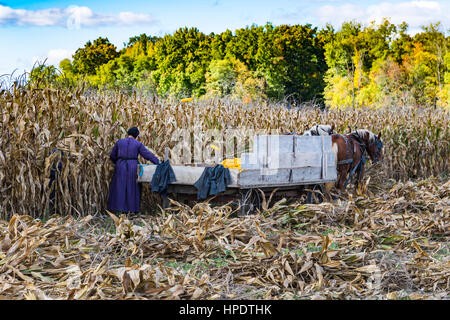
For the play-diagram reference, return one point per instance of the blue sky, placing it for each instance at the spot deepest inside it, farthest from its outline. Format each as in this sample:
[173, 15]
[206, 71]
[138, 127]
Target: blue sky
[34, 30]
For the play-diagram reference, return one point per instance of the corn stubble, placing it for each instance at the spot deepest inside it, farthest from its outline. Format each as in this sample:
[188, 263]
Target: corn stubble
[390, 243]
[389, 246]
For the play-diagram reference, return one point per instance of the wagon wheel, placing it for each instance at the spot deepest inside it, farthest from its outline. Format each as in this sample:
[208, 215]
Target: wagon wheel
[250, 201]
[315, 195]
[165, 202]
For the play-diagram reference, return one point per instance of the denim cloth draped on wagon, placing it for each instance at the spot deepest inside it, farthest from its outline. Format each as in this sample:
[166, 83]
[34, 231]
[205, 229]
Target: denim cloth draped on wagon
[212, 181]
[162, 177]
[125, 192]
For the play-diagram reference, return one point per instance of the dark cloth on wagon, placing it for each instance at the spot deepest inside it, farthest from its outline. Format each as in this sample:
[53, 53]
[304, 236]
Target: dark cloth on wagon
[212, 181]
[125, 192]
[162, 177]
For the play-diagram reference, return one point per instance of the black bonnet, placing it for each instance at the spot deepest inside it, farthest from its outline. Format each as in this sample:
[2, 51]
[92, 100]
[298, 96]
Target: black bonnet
[134, 132]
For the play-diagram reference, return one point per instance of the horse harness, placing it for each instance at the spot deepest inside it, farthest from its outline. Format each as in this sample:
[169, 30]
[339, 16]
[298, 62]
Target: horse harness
[316, 132]
[349, 159]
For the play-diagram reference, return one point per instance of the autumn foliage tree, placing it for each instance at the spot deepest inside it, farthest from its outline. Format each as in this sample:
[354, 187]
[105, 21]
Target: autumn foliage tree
[382, 64]
[354, 66]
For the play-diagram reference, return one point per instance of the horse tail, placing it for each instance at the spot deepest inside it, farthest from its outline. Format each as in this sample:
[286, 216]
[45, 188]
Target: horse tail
[334, 144]
[334, 149]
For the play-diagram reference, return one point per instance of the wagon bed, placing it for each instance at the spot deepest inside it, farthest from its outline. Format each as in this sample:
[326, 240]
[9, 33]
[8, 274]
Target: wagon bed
[289, 163]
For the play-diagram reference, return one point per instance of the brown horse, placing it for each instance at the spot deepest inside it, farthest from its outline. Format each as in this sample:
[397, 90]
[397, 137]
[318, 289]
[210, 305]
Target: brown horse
[352, 150]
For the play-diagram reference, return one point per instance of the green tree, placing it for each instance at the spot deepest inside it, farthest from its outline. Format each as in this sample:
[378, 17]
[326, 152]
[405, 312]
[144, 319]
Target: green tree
[221, 78]
[302, 61]
[42, 76]
[180, 59]
[66, 66]
[140, 45]
[344, 55]
[86, 60]
[402, 45]
[220, 43]
[444, 94]
[436, 45]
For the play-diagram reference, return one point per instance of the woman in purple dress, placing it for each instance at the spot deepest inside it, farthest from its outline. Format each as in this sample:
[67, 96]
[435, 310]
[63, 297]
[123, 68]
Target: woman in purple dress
[125, 192]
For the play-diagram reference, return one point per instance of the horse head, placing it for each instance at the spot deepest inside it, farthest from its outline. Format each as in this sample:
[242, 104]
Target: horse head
[374, 145]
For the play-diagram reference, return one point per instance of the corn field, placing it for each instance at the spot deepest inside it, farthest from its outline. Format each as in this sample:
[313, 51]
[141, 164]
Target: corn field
[391, 242]
[35, 122]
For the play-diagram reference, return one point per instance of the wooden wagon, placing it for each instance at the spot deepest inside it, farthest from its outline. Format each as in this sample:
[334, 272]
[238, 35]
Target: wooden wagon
[291, 164]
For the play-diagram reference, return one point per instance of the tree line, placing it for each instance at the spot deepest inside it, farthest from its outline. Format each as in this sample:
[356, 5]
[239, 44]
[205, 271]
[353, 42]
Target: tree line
[356, 65]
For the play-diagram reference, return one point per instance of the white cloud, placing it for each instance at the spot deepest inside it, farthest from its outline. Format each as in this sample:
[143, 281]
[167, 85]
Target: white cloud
[338, 14]
[415, 13]
[53, 57]
[26, 17]
[72, 17]
[56, 55]
[132, 18]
